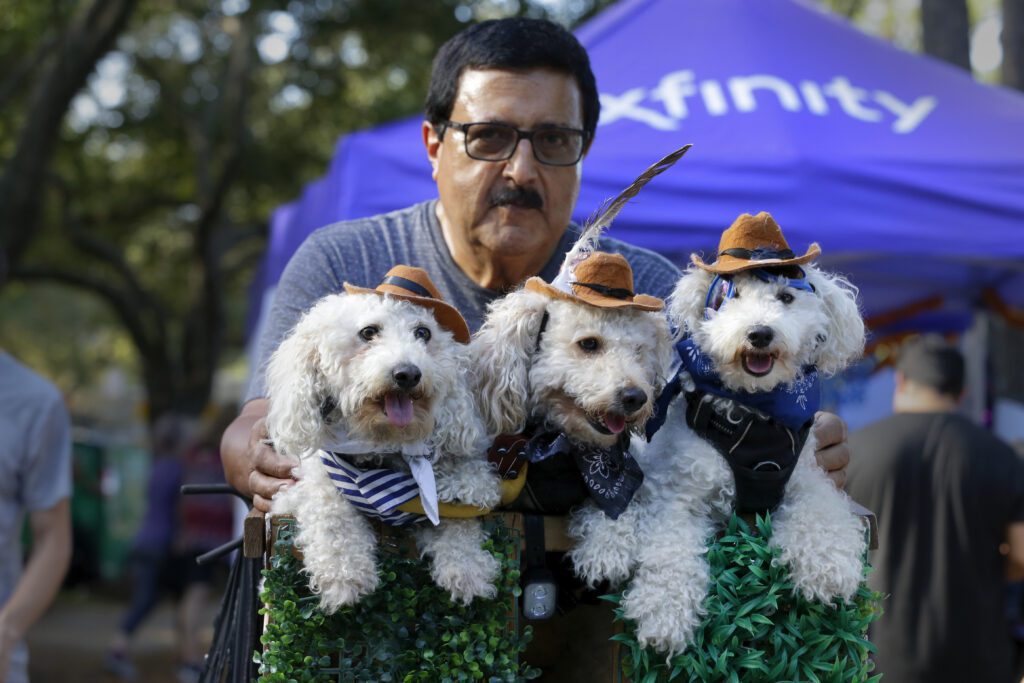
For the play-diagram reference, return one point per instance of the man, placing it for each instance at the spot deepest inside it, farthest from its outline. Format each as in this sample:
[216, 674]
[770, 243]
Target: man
[947, 493]
[511, 112]
[35, 477]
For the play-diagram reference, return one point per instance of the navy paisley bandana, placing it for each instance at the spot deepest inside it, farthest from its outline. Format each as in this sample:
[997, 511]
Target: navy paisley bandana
[610, 475]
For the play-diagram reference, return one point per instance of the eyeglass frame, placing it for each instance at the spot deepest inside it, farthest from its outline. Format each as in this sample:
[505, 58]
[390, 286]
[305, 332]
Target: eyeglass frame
[520, 136]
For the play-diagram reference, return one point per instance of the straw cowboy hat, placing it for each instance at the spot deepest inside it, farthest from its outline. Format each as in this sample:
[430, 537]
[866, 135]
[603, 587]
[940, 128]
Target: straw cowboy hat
[754, 242]
[602, 280]
[414, 285]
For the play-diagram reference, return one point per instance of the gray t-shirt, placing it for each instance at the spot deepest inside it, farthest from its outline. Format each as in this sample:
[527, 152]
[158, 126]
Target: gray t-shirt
[35, 470]
[362, 251]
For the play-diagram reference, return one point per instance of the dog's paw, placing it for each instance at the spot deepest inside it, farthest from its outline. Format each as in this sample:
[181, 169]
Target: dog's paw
[833, 568]
[344, 589]
[472, 482]
[468, 576]
[664, 622]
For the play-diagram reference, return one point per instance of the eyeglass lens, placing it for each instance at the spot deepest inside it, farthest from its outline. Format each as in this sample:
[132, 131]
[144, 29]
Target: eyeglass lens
[496, 142]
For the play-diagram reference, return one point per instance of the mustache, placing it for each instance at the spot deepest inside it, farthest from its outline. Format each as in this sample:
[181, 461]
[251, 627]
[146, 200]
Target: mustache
[517, 196]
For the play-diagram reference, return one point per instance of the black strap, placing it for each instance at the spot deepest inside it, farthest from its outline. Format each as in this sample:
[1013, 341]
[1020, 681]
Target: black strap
[759, 254]
[414, 287]
[533, 528]
[613, 292]
[540, 332]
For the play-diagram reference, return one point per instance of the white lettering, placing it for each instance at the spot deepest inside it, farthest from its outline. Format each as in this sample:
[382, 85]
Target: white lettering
[672, 90]
[714, 98]
[908, 117]
[625, 106]
[742, 89]
[813, 97]
[673, 100]
[849, 99]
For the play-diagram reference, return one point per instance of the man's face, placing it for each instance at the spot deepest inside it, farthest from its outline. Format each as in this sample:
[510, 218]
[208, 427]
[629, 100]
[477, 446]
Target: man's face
[472, 207]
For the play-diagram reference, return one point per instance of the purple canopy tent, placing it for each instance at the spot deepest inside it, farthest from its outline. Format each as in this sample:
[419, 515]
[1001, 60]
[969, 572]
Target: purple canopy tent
[909, 173]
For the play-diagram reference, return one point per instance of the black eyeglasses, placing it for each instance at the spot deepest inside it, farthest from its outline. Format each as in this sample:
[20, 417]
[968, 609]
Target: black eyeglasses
[552, 145]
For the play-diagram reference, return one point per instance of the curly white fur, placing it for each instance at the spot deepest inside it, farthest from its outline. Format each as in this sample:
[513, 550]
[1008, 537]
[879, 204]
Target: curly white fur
[560, 383]
[326, 361]
[689, 489]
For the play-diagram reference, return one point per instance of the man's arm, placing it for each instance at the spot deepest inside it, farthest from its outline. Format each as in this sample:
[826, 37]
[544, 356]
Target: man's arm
[833, 454]
[250, 463]
[51, 554]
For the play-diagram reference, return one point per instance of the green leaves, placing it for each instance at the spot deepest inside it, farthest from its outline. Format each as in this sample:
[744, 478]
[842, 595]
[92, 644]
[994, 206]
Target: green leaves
[756, 629]
[407, 630]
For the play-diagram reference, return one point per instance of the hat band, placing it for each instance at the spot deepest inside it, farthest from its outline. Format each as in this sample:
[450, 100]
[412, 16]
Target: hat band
[759, 254]
[414, 287]
[613, 292]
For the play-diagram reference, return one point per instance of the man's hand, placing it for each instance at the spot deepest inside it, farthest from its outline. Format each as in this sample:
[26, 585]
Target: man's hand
[250, 462]
[833, 454]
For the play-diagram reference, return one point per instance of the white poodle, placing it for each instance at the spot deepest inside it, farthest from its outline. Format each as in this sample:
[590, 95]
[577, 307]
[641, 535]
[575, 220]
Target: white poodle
[367, 380]
[556, 363]
[760, 332]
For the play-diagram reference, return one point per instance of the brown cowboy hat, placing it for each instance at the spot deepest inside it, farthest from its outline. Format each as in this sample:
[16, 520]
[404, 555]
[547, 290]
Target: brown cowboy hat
[414, 285]
[754, 242]
[603, 280]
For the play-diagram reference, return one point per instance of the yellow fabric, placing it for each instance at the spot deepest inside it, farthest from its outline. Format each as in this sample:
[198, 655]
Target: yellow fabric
[510, 490]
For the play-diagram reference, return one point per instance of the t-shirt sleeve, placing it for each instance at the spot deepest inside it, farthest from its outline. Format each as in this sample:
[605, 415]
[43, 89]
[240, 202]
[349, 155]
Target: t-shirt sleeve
[47, 472]
[308, 277]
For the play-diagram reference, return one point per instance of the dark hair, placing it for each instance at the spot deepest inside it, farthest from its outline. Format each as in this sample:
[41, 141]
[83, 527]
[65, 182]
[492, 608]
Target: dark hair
[933, 362]
[516, 43]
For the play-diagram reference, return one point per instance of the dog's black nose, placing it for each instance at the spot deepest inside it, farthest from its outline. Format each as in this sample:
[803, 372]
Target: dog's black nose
[632, 399]
[760, 336]
[406, 376]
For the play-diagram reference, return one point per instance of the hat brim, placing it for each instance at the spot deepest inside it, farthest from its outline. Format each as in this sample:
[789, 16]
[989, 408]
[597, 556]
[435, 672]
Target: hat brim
[640, 302]
[447, 316]
[731, 264]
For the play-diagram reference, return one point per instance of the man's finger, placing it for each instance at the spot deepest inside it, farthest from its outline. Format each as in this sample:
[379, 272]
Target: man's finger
[262, 485]
[270, 462]
[261, 503]
[829, 429]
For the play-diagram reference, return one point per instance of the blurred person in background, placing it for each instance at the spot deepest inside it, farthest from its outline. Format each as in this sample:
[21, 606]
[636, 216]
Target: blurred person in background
[947, 494]
[161, 562]
[35, 479]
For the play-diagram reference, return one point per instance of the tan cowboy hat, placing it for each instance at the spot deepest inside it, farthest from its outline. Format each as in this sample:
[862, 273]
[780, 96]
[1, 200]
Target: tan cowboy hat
[754, 242]
[603, 280]
[413, 284]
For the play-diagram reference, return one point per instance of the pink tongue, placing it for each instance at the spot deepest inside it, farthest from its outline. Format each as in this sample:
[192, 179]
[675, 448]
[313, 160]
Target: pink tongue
[398, 408]
[615, 423]
[759, 362]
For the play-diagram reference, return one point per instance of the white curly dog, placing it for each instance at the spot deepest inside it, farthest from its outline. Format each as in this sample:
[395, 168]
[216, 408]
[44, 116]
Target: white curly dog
[761, 338]
[586, 365]
[375, 376]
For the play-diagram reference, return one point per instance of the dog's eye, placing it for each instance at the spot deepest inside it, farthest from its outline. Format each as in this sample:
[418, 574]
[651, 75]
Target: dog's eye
[785, 297]
[589, 344]
[422, 333]
[369, 332]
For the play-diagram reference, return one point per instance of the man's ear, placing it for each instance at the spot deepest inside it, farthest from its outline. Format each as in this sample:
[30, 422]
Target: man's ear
[432, 142]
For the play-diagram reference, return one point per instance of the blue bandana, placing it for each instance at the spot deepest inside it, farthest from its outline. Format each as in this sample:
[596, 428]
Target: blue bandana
[793, 405]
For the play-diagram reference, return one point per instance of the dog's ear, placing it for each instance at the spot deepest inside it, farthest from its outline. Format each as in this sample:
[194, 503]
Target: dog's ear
[295, 387]
[502, 350]
[460, 426]
[665, 355]
[686, 303]
[843, 340]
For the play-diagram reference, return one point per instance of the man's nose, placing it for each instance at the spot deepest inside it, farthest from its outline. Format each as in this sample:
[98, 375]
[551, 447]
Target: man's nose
[521, 167]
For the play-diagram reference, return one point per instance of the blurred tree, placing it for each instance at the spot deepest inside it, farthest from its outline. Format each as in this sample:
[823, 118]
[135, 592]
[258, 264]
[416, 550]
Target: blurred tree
[945, 31]
[144, 147]
[1013, 43]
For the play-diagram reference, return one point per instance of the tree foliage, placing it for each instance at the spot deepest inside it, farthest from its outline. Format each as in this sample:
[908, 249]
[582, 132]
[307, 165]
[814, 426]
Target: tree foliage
[145, 145]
